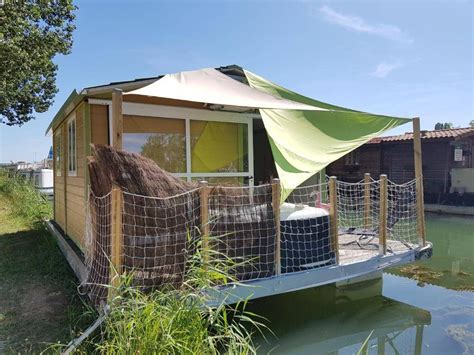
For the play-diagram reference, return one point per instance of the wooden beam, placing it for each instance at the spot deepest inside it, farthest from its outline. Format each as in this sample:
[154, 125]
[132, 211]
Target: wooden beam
[87, 147]
[276, 195]
[419, 182]
[383, 215]
[204, 195]
[333, 223]
[367, 201]
[116, 237]
[117, 118]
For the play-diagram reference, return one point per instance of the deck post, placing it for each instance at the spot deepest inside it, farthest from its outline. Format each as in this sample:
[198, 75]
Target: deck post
[420, 205]
[204, 195]
[383, 215]
[333, 228]
[276, 195]
[367, 201]
[117, 118]
[116, 238]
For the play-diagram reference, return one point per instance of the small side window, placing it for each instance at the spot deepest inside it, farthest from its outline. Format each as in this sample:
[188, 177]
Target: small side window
[352, 159]
[57, 156]
[71, 143]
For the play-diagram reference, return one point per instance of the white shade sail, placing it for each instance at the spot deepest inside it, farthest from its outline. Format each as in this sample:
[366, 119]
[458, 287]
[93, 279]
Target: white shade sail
[212, 87]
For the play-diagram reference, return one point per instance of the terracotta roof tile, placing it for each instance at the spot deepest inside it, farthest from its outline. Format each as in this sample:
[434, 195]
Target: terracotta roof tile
[436, 134]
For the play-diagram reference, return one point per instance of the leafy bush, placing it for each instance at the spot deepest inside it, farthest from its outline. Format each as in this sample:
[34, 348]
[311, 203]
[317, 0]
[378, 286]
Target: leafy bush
[26, 202]
[177, 320]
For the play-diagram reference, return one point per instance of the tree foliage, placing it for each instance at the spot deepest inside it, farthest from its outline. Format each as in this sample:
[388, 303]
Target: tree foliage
[445, 125]
[471, 123]
[31, 34]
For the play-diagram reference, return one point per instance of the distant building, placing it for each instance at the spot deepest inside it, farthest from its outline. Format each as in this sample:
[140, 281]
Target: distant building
[447, 161]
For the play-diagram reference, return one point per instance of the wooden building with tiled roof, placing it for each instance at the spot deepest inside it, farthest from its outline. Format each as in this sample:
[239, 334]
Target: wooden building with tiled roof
[444, 152]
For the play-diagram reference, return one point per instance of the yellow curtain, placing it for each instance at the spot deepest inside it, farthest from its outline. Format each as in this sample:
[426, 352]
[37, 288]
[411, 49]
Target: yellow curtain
[217, 146]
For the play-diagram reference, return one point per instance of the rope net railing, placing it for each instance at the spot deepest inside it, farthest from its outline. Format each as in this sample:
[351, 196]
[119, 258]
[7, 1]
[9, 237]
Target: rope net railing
[152, 238]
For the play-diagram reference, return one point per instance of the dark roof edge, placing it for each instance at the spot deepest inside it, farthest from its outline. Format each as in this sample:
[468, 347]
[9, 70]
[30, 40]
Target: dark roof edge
[71, 102]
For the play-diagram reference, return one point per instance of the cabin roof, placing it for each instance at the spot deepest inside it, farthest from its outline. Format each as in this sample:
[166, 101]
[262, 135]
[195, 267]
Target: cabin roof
[234, 71]
[455, 133]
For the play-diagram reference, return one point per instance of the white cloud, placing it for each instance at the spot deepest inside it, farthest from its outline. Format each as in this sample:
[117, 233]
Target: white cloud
[383, 69]
[358, 24]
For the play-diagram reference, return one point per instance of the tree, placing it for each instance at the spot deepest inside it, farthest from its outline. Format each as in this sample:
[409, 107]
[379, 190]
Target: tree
[471, 123]
[445, 125]
[31, 34]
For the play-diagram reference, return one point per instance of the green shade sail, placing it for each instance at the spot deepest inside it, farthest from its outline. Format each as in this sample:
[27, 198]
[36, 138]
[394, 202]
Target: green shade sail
[304, 142]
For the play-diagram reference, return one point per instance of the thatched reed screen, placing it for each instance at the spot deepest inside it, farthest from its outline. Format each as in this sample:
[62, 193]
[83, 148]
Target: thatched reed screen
[161, 224]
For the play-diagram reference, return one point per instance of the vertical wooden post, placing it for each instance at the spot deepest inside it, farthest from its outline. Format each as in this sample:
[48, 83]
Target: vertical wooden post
[276, 195]
[116, 237]
[117, 118]
[383, 215]
[204, 193]
[367, 201]
[333, 227]
[419, 339]
[419, 181]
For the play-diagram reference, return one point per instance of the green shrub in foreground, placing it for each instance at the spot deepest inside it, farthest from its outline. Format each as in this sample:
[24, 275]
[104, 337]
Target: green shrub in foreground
[177, 321]
[26, 202]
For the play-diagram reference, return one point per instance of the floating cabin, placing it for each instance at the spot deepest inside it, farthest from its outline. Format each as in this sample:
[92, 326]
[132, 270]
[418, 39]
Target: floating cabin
[244, 161]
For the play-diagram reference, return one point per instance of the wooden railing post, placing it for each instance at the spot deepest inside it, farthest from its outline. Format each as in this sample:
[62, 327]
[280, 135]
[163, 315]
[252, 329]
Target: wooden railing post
[117, 118]
[276, 195]
[367, 201]
[204, 194]
[333, 227]
[116, 238]
[420, 205]
[383, 203]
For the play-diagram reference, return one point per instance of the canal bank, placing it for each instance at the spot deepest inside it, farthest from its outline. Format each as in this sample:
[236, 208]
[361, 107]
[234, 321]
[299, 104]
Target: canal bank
[408, 313]
[454, 210]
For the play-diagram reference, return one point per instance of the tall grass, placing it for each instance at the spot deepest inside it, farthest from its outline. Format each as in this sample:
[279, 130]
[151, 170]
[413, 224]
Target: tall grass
[25, 201]
[178, 321]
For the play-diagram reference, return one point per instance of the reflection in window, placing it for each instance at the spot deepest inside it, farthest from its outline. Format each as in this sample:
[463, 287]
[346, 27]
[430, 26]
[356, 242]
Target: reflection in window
[222, 180]
[160, 139]
[218, 147]
[57, 154]
[71, 143]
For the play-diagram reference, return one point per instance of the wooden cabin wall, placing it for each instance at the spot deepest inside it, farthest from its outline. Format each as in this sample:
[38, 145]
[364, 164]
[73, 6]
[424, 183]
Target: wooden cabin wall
[369, 162]
[59, 186]
[75, 186]
[70, 191]
[99, 124]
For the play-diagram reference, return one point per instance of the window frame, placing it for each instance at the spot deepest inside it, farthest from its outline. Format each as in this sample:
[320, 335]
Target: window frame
[71, 146]
[352, 158]
[57, 152]
[188, 114]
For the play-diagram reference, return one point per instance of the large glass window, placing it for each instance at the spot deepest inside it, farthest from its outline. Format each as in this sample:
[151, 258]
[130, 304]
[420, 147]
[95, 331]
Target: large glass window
[192, 149]
[160, 139]
[71, 143]
[218, 147]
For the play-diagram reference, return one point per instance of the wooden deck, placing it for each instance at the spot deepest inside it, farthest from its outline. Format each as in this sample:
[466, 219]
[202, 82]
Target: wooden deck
[353, 248]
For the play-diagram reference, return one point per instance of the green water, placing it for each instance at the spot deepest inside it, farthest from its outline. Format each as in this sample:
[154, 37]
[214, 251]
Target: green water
[433, 315]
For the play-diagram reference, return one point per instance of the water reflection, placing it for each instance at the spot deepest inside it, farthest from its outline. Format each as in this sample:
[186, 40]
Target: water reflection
[330, 320]
[452, 263]
[433, 316]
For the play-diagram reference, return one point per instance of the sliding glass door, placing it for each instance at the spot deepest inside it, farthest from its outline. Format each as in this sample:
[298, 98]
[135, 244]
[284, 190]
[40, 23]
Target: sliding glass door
[195, 149]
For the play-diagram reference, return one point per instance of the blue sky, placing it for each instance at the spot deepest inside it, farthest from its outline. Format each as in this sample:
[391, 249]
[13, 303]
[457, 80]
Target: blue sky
[402, 58]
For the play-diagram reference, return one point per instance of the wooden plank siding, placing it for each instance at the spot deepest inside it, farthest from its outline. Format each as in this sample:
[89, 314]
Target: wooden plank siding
[99, 124]
[75, 186]
[59, 209]
[396, 159]
[369, 161]
[70, 192]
